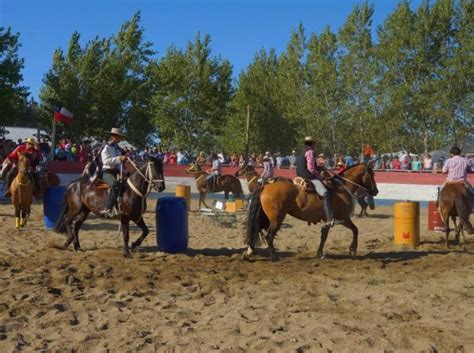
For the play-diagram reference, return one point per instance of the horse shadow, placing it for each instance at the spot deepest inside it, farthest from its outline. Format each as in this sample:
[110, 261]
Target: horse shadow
[376, 216]
[214, 252]
[394, 256]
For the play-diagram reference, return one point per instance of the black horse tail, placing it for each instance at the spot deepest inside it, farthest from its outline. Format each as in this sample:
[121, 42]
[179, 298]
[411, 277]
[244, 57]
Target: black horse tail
[256, 220]
[60, 225]
[463, 210]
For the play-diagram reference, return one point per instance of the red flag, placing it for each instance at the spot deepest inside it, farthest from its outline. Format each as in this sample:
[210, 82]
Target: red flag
[63, 115]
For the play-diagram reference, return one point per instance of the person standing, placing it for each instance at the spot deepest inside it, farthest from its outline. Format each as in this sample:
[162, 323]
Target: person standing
[112, 159]
[306, 168]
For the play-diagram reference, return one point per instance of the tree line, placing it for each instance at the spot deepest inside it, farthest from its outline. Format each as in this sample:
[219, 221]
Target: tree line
[409, 86]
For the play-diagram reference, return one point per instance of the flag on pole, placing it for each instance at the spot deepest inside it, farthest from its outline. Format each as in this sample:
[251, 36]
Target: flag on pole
[63, 115]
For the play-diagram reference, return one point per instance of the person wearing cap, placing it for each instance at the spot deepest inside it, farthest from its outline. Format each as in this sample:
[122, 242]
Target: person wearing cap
[267, 170]
[293, 158]
[214, 172]
[31, 147]
[112, 158]
[306, 168]
[321, 161]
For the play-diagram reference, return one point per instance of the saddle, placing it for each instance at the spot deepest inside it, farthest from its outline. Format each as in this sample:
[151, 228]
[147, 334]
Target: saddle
[305, 184]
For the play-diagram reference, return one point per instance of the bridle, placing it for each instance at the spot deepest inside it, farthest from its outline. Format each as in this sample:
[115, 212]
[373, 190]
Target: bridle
[359, 187]
[148, 176]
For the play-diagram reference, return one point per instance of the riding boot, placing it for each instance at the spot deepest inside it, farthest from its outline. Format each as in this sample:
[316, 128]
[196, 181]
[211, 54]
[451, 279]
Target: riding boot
[328, 211]
[109, 205]
[8, 182]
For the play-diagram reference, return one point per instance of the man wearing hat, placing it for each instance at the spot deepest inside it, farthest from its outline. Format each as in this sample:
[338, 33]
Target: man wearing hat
[306, 168]
[30, 147]
[267, 170]
[112, 157]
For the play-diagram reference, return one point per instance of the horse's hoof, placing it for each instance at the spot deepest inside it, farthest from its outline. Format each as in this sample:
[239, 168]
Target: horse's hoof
[245, 257]
[134, 245]
[352, 253]
[320, 255]
[127, 255]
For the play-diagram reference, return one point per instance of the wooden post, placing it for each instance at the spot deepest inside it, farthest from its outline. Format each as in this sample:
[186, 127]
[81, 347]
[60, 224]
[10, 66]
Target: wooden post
[247, 134]
[53, 139]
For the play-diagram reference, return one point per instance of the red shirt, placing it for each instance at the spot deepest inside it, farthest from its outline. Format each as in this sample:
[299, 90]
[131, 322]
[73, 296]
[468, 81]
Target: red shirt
[396, 164]
[35, 153]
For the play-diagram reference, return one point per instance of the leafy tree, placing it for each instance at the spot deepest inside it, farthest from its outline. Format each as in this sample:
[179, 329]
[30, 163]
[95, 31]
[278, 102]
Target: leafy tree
[192, 94]
[12, 94]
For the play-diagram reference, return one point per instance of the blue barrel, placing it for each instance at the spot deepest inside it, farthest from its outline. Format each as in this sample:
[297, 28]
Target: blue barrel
[171, 224]
[52, 202]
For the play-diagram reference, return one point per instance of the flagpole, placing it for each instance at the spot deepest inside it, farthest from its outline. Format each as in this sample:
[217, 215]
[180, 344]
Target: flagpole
[53, 139]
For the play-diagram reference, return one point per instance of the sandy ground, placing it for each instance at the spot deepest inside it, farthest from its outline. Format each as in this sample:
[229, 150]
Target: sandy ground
[389, 299]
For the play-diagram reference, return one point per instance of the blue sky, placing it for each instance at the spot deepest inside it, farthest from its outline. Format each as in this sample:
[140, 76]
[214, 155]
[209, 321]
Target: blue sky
[238, 28]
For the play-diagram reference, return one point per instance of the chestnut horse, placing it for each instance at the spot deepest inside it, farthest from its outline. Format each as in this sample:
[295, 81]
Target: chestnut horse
[22, 189]
[455, 202]
[252, 177]
[271, 203]
[81, 198]
[226, 183]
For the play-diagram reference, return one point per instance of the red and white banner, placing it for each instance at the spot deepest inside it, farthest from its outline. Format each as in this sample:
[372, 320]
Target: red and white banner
[63, 115]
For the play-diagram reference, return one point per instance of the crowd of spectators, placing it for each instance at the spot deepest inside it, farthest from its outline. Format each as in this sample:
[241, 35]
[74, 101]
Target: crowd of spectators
[71, 151]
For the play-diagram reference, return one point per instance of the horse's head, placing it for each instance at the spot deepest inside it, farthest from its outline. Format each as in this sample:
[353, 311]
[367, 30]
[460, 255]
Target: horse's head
[363, 175]
[193, 168]
[155, 173]
[243, 170]
[24, 162]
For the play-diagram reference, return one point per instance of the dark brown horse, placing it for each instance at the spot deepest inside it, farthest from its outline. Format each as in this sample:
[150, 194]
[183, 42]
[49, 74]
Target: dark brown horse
[252, 177]
[225, 183]
[81, 198]
[270, 205]
[365, 200]
[455, 202]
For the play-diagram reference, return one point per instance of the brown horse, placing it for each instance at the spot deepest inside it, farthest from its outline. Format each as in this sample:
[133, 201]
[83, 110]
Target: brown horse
[270, 204]
[365, 200]
[226, 183]
[81, 198]
[455, 202]
[22, 189]
[252, 177]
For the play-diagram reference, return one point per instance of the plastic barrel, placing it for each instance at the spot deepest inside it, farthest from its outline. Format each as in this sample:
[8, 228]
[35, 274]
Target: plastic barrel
[406, 223]
[184, 191]
[52, 202]
[435, 222]
[171, 224]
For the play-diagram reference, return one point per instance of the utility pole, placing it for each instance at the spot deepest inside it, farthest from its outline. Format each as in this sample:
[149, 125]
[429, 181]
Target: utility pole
[247, 134]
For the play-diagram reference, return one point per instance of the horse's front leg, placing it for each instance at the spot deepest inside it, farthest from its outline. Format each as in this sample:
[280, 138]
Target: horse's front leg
[202, 196]
[141, 224]
[17, 217]
[324, 235]
[446, 229]
[226, 194]
[125, 233]
[355, 237]
[23, 218]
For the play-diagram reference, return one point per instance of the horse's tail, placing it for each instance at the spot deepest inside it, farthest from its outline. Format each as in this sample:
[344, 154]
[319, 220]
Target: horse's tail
[256, 220]
[60, 225]
[463, 210]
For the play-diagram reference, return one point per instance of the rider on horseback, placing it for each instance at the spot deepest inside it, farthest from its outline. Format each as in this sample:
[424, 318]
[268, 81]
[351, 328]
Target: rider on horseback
[267, 170]
[29, 147]
[306, 168]
[112, 158]
[214, 172]
[456, 167]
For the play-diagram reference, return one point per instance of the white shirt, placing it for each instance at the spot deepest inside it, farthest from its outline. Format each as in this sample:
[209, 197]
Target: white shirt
[110, 156]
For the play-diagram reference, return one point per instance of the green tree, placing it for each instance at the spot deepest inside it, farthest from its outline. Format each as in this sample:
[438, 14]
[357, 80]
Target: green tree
[192, 95]
[12, 94]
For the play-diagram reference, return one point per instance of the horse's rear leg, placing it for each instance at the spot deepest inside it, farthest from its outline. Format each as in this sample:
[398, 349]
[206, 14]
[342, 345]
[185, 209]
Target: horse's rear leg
[80, 218]
[272, 230]
[141, 224]
[446, 228]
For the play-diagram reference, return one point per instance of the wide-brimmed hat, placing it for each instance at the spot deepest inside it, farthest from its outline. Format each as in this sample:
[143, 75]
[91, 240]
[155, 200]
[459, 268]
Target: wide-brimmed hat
[116, 131]
[309, 139]
[31, 140]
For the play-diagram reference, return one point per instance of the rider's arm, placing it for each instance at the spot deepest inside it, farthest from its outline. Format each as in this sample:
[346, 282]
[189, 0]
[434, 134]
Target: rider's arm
[446, 167]
[13, 156]
[310, 162]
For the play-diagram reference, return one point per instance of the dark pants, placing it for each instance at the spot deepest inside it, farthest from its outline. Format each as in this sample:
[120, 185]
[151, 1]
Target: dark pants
[110, 177]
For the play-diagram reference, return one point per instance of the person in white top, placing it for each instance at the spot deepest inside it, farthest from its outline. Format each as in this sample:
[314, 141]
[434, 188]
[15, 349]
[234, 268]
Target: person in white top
[427, 162]
[112, 158]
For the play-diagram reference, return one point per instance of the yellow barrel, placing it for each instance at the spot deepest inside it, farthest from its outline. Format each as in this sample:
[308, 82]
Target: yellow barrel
[406, 227]
[184, 191]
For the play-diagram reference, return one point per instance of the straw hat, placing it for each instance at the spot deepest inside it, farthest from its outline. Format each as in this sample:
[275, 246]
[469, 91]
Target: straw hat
[321, 155]
[116, 131]
[309, 139]
[31, 140]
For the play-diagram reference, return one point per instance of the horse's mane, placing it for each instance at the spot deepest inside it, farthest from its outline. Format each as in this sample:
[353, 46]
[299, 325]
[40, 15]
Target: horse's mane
[350, 168]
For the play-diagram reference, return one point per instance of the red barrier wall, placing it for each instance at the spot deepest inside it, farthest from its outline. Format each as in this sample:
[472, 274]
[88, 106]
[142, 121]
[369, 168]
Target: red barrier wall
[395, 177]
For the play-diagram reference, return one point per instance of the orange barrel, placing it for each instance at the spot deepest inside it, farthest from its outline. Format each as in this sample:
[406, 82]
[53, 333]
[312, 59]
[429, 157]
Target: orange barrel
[434, 218]
[184, 191]
[406, 230]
